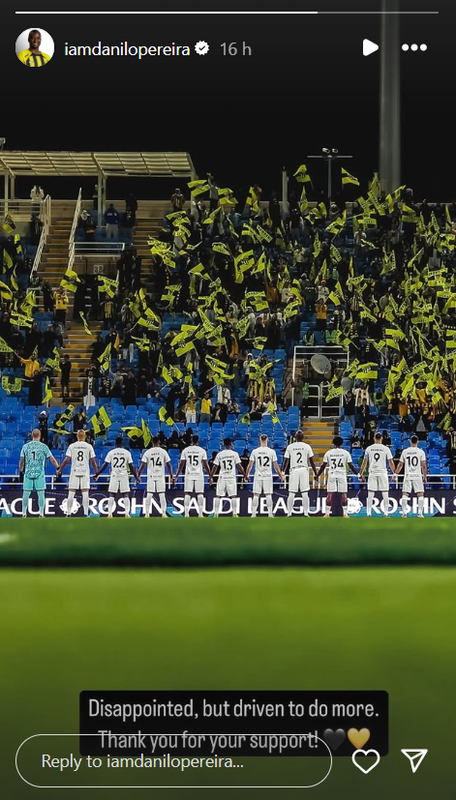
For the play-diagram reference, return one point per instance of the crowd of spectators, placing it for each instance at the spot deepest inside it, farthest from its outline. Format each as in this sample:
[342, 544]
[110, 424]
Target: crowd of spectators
[231, 290]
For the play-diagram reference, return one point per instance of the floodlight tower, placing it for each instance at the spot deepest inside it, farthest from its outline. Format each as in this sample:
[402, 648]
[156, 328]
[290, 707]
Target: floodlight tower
[390, 97]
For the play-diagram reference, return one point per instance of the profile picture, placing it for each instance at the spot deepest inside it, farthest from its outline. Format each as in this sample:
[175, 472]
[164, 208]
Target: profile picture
[34, 47]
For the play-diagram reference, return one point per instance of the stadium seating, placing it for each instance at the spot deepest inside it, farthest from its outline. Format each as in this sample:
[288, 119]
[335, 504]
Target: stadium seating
[24, 418]
[17, 418]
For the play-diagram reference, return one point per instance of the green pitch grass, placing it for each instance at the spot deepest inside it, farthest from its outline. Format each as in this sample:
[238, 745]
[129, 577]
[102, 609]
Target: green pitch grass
[262, 628]
[226, 541]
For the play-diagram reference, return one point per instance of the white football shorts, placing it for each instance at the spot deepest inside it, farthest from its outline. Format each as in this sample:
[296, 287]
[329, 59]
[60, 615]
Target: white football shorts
[119, 484]
[378, 482]
[79, 482]
[262, 485]
[194, 484]
[411, 485]
[156, 485]
[226, 486]
[337, 484]
[299, 480]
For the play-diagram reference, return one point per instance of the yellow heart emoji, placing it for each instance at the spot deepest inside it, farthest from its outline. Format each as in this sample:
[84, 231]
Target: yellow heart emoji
[358, 738]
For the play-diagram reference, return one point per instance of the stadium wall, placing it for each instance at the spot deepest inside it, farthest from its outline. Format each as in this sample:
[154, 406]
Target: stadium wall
[436, 503]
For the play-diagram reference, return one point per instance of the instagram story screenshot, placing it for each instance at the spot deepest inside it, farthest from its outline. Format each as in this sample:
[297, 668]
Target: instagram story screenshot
[227, 334]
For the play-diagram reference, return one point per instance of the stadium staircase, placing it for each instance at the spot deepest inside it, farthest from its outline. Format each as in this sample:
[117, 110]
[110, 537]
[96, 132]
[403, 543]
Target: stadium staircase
[54, 259]
[319, 434]
[76, 342]
[145, 228]
[78, 345]
[149, 219]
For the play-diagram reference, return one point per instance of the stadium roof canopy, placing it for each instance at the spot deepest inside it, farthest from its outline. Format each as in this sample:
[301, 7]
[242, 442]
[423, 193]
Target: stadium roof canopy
[121, 165]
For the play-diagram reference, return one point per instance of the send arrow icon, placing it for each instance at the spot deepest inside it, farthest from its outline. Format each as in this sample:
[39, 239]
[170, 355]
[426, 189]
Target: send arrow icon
[415, 757]
[369, 47]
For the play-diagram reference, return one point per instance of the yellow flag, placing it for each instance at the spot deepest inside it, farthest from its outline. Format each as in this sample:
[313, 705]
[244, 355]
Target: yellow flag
[198, 187]
[84, 322]
[253, 199]
[219, 247]
[133, 432]
[166, 375]
[163, 416]
[105, 358]
[337, 294]
[261, 265]
[347, 178]
[108, 285]
[100, 421]
[243, 262]
[11, 384]
[4, 347]
[47, 392]
[8, 224]
[339, 224]
[5, 291]
[302, 175]
[200, 270]
[181, 351]
[70, 280]
[146, 433]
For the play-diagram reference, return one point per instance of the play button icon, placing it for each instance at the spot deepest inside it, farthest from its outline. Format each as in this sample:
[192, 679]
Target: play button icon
[369, 47]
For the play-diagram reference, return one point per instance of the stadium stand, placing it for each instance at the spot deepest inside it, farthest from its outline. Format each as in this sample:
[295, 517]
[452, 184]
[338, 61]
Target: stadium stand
[210, 303]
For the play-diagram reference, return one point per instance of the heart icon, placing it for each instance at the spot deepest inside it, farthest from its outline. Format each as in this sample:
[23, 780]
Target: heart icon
[358, 738]
[334, 738]
[366, 753]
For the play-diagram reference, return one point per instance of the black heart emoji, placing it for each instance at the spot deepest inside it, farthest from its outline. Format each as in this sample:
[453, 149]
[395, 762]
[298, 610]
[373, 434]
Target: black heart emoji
[334, 738]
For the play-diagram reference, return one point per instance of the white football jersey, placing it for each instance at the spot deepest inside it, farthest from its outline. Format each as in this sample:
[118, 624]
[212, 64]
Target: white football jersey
[412, 459]
[226, 461]
[80, 454]
[194, 455]
[377, 456]
[337, 460]
[298, 454]
[119, 458]
[156, 458]
[263, 458]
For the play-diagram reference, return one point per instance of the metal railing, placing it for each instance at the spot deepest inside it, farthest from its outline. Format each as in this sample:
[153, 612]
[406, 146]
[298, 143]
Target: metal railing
[45, 217]
[21, 210]
[76, 215]
[90, 250]
[74, 226]
[102, 249]
[302, 358]
[435, 481]
[80, 250]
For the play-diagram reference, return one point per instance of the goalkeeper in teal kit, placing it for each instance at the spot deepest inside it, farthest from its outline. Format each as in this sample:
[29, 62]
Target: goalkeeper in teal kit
[32, 463]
